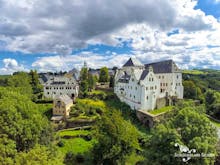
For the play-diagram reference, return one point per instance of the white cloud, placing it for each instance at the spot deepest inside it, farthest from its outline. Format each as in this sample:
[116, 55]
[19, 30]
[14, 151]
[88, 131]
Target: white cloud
[43, 26]
[10, 66]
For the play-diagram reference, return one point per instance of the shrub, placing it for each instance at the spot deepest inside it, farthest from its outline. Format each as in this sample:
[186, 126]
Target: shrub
[60, 143]
[99, 111]
[88, 137]
[80, 158]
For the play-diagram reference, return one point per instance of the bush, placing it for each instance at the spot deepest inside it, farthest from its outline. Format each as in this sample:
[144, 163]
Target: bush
[88, 137]
[75, 114]
[80, 158]
[99, 111]
[71, 159]
[60, 143]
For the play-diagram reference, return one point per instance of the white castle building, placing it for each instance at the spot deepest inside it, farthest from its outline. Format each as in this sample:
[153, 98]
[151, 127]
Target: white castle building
[60, 85]
[150, 86]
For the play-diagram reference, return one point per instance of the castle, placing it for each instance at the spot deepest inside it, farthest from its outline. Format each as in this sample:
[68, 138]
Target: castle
[150, 86]
[57, 85]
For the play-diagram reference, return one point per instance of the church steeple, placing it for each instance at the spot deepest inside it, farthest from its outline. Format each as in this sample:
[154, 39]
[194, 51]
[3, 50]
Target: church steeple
[85, 65]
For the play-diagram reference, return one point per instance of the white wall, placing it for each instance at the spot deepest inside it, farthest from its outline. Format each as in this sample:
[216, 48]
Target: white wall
[51, 91]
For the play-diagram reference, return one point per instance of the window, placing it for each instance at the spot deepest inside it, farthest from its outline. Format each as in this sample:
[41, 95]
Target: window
[48, 93]
[161, 90]
[152, 79]
[132, 79]
[159, 77]
[155, 87]
[134, 97]
[160, 84]
[149, 79]
[147, 97]
[136, 88]
[47, 87]
[177, 76]
[146, 88]
[166, 84]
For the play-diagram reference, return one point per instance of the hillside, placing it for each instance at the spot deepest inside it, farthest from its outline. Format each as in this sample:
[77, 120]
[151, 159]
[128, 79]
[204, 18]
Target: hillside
[103, 130]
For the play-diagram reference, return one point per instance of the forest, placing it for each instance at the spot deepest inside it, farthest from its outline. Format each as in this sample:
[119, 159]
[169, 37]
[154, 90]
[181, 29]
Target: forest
[114, 134]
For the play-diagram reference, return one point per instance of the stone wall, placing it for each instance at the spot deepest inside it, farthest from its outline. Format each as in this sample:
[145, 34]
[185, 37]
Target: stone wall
[149, 120]
[161, 102]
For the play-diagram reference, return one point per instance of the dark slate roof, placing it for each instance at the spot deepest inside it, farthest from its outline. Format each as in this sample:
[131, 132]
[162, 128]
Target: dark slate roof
[125, 78]
[58, 82]
[167, 66]
[43, 78]
[144, 74]
[65, 98]
[133, 62]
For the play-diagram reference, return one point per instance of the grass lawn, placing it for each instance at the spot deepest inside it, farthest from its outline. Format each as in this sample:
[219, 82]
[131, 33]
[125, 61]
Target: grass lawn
[46, 109]
[217, 124]
[4, 76]
[161, 110]
[73, 132]
[77, 145]
[195, 72]
[133, 159]
[93, 103]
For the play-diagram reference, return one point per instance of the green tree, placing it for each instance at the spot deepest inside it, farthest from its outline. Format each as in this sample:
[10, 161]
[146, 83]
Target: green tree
[104, 76]
[7, 150]
[111, 82]
[84, 74]
[38, 155]
[22, 81]
[191, 91]
[21, 121]
[91, 82]
[213, 103]
[84, 87]
[35, 84]
[116, 139]
[188, 128]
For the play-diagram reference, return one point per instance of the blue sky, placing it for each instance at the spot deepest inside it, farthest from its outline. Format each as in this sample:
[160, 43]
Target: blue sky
[63, 39]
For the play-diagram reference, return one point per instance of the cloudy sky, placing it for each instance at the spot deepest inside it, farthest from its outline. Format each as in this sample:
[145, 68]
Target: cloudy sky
[54, 35]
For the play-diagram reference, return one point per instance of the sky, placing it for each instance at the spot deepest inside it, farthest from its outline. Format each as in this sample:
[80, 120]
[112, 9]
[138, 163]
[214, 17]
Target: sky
[60, 35]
